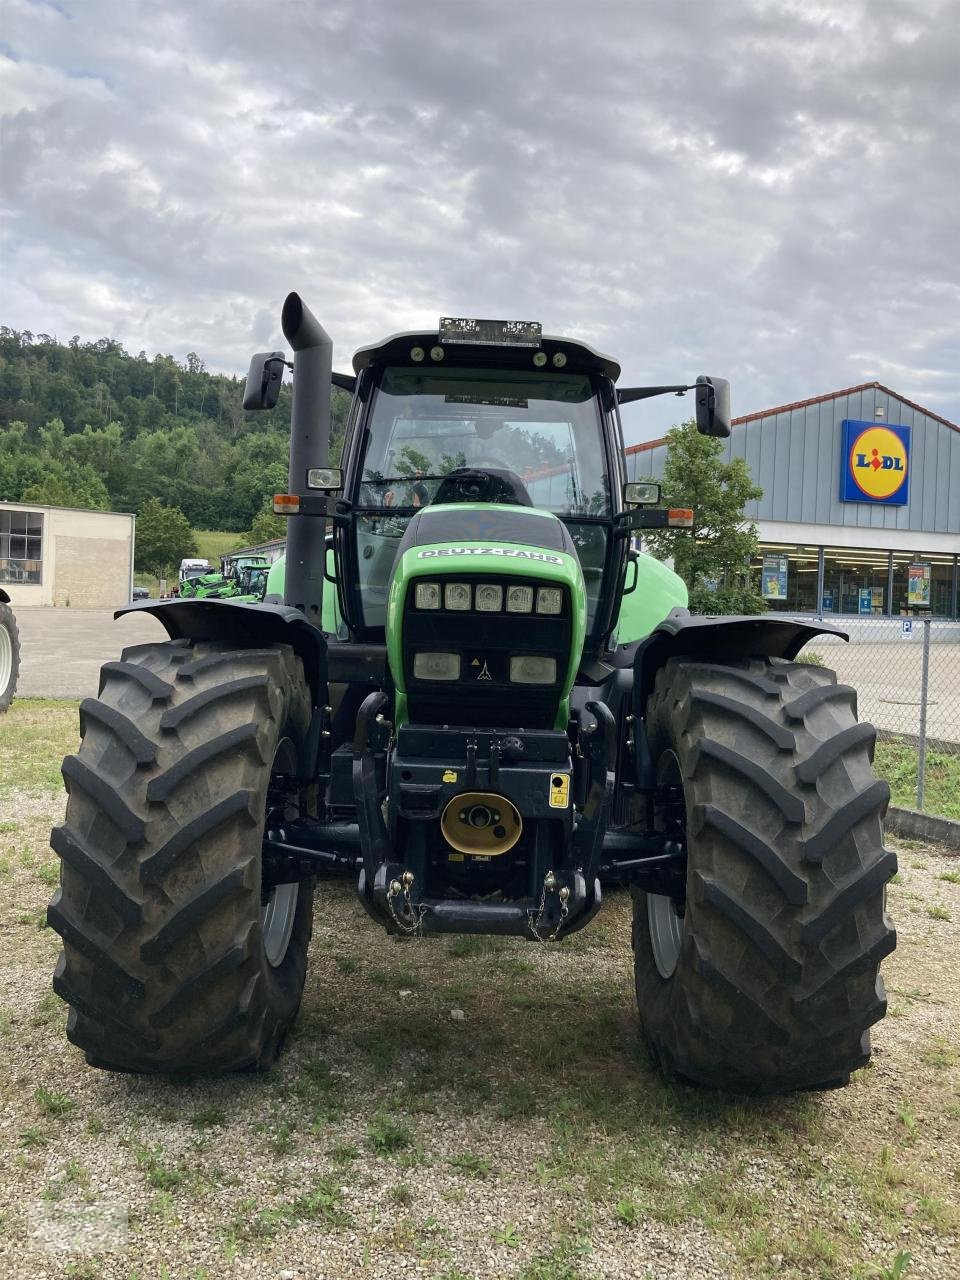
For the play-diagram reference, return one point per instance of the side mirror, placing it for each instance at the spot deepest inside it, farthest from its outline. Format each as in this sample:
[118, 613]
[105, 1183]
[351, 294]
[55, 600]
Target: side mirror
[263, 381]
[641, 493]
[713, 406]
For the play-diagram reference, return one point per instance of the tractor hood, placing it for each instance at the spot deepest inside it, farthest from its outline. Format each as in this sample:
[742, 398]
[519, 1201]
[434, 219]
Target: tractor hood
[483, 587]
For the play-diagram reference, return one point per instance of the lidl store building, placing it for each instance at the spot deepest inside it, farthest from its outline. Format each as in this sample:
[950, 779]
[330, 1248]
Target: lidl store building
[860, 511]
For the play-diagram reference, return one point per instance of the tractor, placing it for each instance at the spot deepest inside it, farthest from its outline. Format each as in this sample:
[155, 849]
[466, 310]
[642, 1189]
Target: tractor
[9, 652]
[239, 578]
[469, 693]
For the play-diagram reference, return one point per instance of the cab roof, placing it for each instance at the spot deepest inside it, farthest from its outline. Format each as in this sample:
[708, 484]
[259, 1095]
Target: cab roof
[396, 349]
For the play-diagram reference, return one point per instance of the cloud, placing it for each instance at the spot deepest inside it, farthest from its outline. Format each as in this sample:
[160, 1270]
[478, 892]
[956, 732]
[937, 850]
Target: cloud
[765, 191]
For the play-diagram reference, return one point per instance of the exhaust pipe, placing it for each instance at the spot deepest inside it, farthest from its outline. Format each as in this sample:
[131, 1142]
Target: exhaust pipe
[309, 447]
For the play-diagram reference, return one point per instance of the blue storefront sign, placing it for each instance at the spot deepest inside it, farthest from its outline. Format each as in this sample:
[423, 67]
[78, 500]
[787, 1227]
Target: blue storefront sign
[874, 463]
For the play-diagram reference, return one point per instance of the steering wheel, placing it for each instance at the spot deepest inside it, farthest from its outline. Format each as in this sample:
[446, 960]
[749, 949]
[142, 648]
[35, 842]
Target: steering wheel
[483, 484]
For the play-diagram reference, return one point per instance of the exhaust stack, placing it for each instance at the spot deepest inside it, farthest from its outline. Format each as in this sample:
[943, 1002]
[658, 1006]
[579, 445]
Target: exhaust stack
[309, 447]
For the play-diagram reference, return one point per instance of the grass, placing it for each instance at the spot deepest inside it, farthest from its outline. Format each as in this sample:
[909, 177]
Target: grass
[52, 1103]
[386, 1136]
[897, 762]
[35, 735]
[214, 543]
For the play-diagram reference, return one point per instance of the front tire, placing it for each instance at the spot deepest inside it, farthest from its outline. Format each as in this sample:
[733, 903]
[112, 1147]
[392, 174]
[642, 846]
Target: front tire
[765, 978]
[9, 656]
[173, 958]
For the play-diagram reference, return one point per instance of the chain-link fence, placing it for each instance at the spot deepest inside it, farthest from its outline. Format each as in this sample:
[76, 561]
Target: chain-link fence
[907, 675]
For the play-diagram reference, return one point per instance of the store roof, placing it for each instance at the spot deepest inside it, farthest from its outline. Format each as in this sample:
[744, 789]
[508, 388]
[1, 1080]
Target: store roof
[802, 404]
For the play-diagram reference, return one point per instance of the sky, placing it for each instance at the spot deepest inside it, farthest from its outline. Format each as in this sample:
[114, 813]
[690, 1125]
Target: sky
[768, 192]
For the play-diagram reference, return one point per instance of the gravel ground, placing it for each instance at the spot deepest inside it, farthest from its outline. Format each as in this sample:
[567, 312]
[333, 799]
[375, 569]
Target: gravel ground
[528, 1138]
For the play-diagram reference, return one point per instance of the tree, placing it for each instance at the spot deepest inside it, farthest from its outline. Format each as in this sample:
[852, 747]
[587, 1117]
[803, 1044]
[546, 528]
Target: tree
[163, 538]
[266, 526]
[713, 559]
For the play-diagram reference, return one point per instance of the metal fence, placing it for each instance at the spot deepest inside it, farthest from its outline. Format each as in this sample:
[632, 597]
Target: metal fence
[907, 675]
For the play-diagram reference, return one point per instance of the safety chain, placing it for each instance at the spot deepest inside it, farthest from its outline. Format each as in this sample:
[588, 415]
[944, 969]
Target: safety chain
[402, 888]
[549, 886]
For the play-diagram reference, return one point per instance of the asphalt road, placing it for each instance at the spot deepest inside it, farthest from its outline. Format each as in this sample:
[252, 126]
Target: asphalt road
[62, 650]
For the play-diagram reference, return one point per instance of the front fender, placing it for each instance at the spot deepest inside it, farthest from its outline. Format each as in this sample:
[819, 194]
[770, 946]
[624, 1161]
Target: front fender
[716, 638]
[244, 625]
[4, 598]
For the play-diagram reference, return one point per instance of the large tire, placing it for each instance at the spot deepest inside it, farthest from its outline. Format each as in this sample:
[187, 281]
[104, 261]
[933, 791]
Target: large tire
[778, 945]
[171, 961]
[9, 656]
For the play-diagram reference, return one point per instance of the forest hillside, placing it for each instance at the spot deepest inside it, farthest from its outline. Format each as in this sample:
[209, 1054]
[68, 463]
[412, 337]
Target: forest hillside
[86, 424]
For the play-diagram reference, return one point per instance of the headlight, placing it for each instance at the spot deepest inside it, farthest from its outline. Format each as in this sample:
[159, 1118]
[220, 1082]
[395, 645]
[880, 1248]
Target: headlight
[436, 666]
[519, 599]
[428, 595]
[549, 600]
[489, 598]
[533, 670]
[456, 595]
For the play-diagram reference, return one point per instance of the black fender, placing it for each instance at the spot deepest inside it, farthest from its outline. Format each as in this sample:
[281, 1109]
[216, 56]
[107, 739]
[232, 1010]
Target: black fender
[244, 624]
[683, 635]
[4, 598]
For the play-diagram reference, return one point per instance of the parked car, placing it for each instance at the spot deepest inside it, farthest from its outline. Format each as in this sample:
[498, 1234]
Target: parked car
[141, 593]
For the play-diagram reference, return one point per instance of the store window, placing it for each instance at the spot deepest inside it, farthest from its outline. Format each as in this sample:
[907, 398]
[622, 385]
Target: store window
[855, 581]
[923, 584]
[21, 538]
[788, 576]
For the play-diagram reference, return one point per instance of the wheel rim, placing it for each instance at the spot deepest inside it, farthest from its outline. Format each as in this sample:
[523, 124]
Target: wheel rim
[666, 933]
[6, 657]
[664, 921]
[279, 911]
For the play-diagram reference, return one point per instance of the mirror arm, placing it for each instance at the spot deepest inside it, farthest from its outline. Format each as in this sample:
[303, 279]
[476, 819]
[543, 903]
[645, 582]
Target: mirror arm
[626, 395]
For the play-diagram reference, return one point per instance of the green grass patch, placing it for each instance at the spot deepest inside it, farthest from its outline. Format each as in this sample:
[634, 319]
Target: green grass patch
[214, 543]
[34, 735]
[898, 762]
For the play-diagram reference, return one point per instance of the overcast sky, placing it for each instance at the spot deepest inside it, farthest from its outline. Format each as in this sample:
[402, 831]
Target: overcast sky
[765, 191]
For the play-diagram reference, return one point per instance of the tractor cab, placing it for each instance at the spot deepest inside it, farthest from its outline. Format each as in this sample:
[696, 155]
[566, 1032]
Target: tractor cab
[530, 424]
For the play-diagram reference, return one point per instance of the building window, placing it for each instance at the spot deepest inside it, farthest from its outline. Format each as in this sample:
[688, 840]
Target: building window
[788, 576]
[855, 581]
[923, 584]
[21, 539]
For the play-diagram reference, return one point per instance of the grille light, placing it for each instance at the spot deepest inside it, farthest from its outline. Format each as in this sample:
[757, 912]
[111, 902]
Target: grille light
[436, 666]
[489, 597]
[456, 595]
[549, 600]
[428, 595]
[533, 669]
[519, 599]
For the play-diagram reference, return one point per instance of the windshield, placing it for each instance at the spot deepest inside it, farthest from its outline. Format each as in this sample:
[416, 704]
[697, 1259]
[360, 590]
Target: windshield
[540, 431]
[542, 428]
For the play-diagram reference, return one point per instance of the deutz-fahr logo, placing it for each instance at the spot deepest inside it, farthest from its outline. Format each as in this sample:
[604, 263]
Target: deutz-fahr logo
[877, 463]
[511, 553]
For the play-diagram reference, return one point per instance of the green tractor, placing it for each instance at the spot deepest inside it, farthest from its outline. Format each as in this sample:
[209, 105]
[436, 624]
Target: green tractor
[251, 582]
[243, 578]
[479, 702]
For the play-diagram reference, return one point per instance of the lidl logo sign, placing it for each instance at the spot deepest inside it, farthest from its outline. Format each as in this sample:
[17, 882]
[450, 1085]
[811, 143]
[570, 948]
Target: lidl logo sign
[875, 463]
